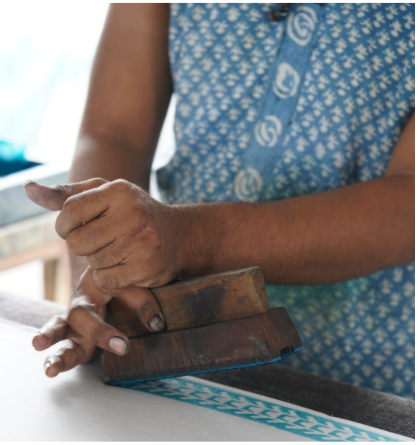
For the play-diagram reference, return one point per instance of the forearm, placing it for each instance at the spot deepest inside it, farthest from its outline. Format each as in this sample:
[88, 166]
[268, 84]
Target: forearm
[314, 239]
[102, 156]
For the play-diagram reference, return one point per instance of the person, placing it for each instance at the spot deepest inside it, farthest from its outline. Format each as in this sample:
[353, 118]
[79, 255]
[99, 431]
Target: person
[294, 151]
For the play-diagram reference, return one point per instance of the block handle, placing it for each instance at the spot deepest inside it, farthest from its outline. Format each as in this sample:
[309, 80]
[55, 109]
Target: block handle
[199, 301]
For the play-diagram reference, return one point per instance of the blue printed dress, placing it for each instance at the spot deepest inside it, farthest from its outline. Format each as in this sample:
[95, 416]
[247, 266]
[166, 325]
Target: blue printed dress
[274, 110]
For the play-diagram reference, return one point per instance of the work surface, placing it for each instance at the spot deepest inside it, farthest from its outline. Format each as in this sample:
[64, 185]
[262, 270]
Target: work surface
[77, 405]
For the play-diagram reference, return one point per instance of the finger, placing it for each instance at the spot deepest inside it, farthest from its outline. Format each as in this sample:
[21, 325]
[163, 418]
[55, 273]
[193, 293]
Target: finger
[92, 237]
[108, 256]
[52, 332]
[116, 251]
[84, 320]
[68, 357]
[128, 274]
[82, 208]
[53, 198]
[90, 204]
[113, 278]
[145, 305]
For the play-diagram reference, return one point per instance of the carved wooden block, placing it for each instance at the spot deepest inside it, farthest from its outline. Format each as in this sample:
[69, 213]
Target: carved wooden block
[216, 322]
[255, 340]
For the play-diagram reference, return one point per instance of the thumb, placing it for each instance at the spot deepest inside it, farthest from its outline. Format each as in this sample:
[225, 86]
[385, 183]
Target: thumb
[53, 198]
[143, 305]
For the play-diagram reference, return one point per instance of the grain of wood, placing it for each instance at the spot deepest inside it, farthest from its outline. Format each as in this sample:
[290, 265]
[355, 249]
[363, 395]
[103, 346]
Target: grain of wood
[254, 340]
[199, 301]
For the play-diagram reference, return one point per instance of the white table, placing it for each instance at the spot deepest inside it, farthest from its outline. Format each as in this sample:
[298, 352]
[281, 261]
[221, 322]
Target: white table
[78, 406]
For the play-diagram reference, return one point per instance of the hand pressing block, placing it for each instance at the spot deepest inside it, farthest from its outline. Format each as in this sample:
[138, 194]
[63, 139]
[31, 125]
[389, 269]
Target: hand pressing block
[215, 322]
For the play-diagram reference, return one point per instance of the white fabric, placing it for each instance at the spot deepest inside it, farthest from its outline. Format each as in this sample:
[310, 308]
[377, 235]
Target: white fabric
[78, 406]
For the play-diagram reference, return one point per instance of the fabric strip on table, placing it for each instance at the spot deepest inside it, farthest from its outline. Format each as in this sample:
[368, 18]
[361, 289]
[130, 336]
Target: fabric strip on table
[284, 416]
[77, 405]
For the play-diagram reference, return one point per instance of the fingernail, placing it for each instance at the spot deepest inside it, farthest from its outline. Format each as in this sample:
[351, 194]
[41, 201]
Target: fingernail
[46, 366]
[29, 181]
[40, 341]
[118, 345]
[156, 324]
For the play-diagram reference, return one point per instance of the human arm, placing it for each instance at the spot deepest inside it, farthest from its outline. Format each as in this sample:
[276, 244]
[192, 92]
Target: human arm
[320, 238]
[130, 89]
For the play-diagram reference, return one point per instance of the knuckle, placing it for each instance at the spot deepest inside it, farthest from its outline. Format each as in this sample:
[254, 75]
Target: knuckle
[80, 239]
[97, 182]
[78, 309]
[98, 335]
[68, 356]
[98, 278]
[112, 282]
[58, 320]
[63, 361]
[71, 207]
[120, 185]
[59, 189]
[108, 281]
[74, 243]
[103, 280]
[147, 281]
[156, 278]
[97, 261]
[105, 259]
[151, 240]
[95, 233]
[94, 261]
[71, 354]
[148, 308]
[57, 335]
[140, 218]
[58, 224]
[141, 209]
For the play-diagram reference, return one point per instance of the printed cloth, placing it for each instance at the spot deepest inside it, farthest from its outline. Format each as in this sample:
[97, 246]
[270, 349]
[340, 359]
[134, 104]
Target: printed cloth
[274, 110]
[173, 410]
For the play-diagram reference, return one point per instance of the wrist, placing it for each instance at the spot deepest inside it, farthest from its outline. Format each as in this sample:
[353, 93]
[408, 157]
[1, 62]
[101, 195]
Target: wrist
[198, 237]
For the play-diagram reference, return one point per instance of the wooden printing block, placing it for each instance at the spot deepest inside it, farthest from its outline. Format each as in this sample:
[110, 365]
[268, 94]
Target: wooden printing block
[215, 322]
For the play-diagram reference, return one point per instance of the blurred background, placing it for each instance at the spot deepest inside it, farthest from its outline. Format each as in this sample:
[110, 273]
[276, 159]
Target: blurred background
[46, 52]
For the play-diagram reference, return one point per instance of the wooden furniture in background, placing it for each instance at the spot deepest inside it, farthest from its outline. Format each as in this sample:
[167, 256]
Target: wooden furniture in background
[36, 239]
[27, 231]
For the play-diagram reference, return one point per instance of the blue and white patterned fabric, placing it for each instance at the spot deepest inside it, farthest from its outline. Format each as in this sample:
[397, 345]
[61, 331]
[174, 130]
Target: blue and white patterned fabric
[274, 110]
[302, 422]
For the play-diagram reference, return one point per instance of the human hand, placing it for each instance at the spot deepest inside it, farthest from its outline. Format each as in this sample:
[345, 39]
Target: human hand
[128, 237]
[83, 328]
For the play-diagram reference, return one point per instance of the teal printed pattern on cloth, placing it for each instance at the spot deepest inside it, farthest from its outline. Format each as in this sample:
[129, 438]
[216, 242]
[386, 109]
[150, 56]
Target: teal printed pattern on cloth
[259, 409]
[275, 110]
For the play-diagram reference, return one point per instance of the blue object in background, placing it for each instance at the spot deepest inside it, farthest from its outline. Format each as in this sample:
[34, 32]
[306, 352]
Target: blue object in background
[11, 152]
[12, 158]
